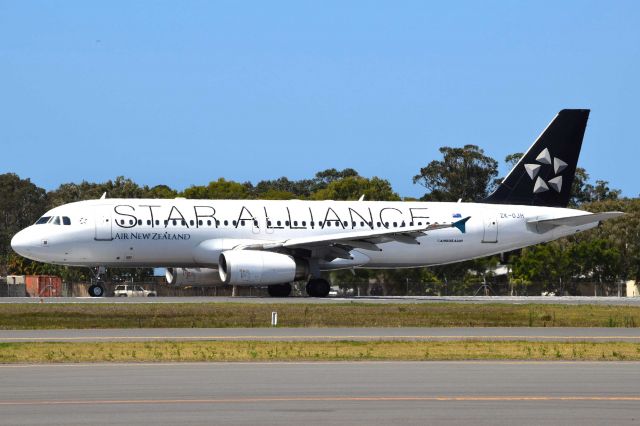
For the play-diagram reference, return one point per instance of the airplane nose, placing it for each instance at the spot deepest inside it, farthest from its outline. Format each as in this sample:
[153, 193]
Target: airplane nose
[20, 243]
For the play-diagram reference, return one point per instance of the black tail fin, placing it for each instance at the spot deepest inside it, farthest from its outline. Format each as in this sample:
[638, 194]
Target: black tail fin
[544, 175]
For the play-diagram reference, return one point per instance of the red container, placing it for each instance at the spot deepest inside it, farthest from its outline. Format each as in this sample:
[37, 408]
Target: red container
[43, 286]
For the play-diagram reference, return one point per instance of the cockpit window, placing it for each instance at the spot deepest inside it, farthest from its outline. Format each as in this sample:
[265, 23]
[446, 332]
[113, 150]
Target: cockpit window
[56, 220]
[43, 220]
[66, 220]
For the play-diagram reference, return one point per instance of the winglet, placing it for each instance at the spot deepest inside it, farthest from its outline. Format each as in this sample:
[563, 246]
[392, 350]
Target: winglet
[461, 224]
[104, 195]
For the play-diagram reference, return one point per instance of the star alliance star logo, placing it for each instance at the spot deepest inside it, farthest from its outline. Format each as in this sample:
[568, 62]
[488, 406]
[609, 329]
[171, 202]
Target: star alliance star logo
[533, 169]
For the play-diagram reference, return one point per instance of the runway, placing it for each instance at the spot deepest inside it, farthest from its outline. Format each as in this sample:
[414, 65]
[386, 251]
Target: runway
[327, 334]
[341, 393]
[564, 300]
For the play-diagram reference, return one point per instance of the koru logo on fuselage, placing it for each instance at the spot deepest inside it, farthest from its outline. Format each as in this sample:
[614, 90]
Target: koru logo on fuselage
[533, 169]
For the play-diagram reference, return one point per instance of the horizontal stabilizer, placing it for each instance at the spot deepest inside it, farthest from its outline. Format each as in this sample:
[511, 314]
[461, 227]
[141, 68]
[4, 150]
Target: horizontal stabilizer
[545, 225]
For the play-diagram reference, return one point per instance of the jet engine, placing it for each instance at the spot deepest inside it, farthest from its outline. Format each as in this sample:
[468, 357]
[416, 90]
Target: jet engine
[254, 267]
[200, 277]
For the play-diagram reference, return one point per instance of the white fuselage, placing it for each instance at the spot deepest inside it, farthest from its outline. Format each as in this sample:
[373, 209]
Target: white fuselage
[192, 233]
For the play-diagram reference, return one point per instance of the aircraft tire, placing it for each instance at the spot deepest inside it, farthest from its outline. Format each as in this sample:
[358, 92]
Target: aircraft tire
[279, 290]
[96, 291]
[318, 287]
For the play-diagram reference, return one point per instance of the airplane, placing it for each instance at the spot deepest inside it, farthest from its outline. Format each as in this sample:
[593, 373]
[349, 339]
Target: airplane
[276, 242]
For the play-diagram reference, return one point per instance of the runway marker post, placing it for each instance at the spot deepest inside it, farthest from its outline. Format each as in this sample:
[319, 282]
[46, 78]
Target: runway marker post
[274, 319]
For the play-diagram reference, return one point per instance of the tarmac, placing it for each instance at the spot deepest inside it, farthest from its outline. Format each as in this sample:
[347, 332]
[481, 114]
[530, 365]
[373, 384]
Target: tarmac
[562, 300]
[316, 393]
[564, 334]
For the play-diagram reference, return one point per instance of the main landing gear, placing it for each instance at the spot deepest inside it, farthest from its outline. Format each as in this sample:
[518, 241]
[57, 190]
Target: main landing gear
[96, 289]
[279, 290]
[318, 287]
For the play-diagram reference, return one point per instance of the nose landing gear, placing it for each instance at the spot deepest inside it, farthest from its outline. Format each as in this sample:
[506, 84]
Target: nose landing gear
[96, 289]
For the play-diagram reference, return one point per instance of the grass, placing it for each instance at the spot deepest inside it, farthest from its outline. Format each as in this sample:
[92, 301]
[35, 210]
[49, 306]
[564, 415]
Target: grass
[203, 315]
[198, 351]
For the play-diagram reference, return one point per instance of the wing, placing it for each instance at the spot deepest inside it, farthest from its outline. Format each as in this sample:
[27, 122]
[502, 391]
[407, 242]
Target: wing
[340, 244]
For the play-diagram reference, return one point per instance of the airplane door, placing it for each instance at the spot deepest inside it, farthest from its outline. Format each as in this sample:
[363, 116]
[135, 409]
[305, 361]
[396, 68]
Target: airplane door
[490, 229]
[103, 222]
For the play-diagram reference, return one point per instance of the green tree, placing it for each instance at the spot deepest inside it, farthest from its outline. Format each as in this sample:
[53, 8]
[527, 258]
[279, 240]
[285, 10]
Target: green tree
[120, 187]
[159, 191]
[464, 173]
[549, 265]
[21, 204]
[353, 187]
[219, 190]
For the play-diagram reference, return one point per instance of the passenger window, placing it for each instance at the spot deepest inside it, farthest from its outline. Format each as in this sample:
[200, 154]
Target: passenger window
[255, 223]
[130, 221]
[66, 220]
[320, 224]
[328, 223]
[208, 223]
[279, 223]
[139, 222]
[286, 222]
[157, 222]
[234, 223]
[43, 219]
[295, 223]
[148, 222]
[304, 223]
[183, 222]
[191, 222]
[217, 222]
[242, 222]
[200, 223]
[362, 224]
[226, 222]
[56, 220]
[395, 224]
[378, 224]
[344, 223]
[268, 223]
[175, 223]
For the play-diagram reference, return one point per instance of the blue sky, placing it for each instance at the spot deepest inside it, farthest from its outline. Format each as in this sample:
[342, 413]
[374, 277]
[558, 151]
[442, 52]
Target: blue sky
[182, 93]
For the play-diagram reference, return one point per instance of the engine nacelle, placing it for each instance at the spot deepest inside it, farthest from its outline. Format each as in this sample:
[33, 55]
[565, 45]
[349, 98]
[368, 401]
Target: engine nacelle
[200, 277]
[254, 267]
